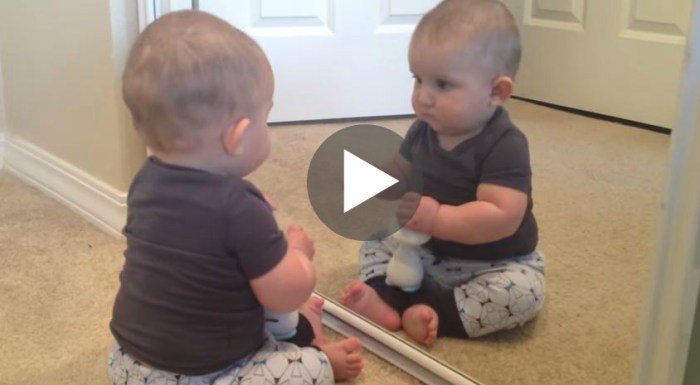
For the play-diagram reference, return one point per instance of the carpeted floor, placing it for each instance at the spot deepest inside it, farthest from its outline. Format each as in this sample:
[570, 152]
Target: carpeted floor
[598, 190]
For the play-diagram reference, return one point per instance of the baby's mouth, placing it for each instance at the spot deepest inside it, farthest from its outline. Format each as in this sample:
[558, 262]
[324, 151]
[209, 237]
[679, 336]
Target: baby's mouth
[430, 119]
[424, 116]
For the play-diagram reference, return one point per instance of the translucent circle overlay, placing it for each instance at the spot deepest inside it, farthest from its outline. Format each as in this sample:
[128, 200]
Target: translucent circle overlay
[376, 216]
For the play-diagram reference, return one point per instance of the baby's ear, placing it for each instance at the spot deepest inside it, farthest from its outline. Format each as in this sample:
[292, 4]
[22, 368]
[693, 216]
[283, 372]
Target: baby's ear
[233, 137]
[501, 90]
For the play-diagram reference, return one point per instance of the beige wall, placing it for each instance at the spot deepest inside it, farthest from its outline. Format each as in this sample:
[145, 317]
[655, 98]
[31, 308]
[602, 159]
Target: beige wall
[61, 62]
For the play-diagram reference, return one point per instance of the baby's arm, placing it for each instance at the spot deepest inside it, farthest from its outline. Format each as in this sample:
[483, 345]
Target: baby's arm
[290, 283]
[495, 214]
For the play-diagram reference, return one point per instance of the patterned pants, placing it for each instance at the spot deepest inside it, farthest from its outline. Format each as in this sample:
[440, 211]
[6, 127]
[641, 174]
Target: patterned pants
[275, 363]
[488, 296]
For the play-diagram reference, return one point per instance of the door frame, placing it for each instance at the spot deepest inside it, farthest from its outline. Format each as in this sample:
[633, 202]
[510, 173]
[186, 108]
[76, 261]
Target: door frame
[675, 282]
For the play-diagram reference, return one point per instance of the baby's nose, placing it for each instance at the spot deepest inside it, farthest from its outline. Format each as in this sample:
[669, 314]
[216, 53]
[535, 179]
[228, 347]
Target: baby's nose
[425, 98]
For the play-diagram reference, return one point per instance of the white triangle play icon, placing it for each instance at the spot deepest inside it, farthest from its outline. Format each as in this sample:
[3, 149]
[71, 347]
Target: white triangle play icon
[361, 181]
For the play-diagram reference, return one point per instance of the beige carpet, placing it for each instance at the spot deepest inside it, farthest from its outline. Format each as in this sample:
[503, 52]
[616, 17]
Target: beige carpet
[597, 187]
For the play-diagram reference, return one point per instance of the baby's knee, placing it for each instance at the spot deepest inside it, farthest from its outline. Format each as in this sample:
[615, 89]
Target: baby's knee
[498, 302]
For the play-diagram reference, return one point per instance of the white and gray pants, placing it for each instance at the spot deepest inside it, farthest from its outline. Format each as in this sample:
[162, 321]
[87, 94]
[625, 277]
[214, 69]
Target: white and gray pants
[472, 298]
[275, 363]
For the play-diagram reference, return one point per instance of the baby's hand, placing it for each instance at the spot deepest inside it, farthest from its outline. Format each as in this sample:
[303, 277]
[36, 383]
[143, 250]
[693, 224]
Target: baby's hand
[418, 212]
[298, 239]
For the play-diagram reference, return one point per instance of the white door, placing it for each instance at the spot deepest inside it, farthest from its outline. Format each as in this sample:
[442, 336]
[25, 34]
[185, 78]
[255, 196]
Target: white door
[615, 57]
[332, 58]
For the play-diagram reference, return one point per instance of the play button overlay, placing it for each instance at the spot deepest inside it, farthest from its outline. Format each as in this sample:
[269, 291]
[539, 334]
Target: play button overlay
[362, 181]
[353, 181]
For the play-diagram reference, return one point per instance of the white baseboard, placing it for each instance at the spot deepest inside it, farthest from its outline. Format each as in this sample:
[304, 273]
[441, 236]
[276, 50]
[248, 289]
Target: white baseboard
[101, 204]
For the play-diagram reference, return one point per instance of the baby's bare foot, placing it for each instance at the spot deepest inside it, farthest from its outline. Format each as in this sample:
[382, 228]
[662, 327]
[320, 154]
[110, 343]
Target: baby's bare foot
[361, 298]
[345, 357]
[420, 322]
[312, 309]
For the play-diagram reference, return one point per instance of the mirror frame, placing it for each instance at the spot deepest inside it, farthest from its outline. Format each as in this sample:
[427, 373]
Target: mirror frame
[391, 348]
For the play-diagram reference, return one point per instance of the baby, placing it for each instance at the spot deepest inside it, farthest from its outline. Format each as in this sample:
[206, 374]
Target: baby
[482, 270]
[204, 255]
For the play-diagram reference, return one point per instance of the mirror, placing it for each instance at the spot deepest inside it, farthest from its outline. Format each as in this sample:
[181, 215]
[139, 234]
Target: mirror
[597, 185]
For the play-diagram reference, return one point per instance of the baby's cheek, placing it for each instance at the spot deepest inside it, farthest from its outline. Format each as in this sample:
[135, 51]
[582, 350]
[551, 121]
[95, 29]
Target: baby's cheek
[414, 102]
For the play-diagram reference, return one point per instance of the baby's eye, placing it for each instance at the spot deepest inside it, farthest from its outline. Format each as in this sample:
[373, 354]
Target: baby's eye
[417, 79]
[442, 84]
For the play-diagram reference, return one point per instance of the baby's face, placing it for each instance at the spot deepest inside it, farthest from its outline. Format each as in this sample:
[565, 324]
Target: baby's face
[450, 93]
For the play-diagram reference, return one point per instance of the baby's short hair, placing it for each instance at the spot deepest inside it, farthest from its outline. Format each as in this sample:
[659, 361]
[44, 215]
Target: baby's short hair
[484, 25]
[190, 71]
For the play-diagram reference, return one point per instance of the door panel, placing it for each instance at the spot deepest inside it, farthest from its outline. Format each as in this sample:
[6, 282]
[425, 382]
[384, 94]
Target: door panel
[565, 14]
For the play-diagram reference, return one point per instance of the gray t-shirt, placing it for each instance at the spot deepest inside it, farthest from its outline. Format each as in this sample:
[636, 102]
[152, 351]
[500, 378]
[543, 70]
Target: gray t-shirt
[498, 155]
[194, 241]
